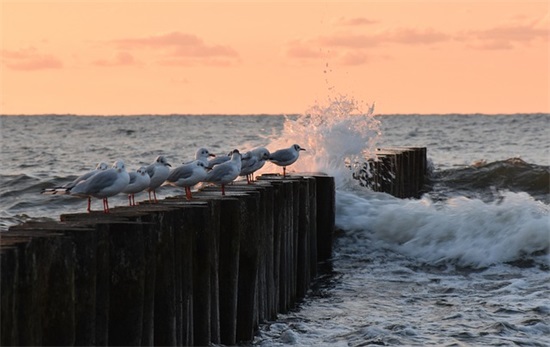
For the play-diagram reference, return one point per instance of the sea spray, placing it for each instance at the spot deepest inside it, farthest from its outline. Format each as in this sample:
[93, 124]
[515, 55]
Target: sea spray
[339, 137]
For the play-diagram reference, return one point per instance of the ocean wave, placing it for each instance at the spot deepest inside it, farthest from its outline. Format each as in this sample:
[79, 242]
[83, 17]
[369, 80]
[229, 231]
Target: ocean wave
[462, 231]
[487, 179]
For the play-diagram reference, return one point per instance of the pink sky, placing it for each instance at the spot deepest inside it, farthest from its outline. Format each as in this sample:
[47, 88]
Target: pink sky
[191, 57]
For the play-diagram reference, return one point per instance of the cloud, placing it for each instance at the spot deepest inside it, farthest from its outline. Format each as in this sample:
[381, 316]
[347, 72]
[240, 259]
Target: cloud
[219, 62]
[350, 48]
[176, 45]
[354, 58]
[121, 59]
[409, 36]
[302, 50]
[29, 59]
[505, 36]
[356, 21]
[405, 36]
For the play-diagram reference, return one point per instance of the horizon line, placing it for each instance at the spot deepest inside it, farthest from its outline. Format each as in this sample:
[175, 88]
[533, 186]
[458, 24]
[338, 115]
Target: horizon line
[257, 114]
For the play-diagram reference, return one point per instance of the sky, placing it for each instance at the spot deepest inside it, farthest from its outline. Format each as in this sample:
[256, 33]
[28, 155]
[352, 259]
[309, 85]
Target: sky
[273, 57]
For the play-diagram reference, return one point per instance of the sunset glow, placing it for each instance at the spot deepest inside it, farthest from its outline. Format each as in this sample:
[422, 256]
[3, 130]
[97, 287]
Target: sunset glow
[191, 57]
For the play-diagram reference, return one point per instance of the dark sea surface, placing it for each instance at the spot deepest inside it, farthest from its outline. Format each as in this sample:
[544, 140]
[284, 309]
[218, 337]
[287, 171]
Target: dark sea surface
[467, 264]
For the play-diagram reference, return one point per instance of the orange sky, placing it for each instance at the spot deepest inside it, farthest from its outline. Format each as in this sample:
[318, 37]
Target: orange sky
[197, 57]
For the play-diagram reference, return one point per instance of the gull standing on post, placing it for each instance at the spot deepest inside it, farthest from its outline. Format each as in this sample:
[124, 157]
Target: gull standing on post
[158, 172]
[64, 188]
[218, 160]
[203, 154]
[187, 175]
[139, 181]
[286, 157]
[253, 161]
[104, 184]
[225, 172]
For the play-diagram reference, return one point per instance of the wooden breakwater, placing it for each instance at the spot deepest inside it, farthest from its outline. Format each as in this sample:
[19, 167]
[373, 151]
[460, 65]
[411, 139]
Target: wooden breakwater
[173, 273]
[399, 171]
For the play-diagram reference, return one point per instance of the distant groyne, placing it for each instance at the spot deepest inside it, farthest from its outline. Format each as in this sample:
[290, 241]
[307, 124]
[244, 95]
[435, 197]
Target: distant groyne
[399, 171]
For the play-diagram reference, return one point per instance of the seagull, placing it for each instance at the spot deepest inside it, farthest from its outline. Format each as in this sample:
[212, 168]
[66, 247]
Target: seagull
[202, 155]
[218, 160]
[252, 161]
[225, 172]
[187, 175]
[158, 172]
[139, 181]
[104, 184]
[63, 189]
[286, 157]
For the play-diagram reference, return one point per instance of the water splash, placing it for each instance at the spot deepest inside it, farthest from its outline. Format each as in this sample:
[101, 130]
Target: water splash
[338, 136]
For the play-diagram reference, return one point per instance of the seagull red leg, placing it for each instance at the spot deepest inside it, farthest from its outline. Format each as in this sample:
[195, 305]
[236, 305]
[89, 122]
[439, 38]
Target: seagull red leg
[89, 205]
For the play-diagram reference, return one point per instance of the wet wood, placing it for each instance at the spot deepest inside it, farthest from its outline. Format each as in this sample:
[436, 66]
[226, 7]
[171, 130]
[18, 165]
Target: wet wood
[199, 272]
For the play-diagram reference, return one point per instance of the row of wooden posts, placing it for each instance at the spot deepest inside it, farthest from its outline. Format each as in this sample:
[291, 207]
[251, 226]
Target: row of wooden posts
[198, 272]
[202, 272]
[399, 171]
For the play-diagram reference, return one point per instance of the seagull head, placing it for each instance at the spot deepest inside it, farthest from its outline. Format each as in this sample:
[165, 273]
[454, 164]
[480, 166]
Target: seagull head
[119, 166]
[162, 160]
[102, 166]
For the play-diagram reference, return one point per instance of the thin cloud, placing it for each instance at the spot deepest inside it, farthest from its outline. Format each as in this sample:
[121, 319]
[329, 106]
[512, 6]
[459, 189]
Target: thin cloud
[505, 37]
[348, 40]
[405, 36]
[409, 36]
[302, 50]
[356, 21]
[355, 48]
[121, 59]
[176, 44]
[29, 59]
[354, 58]
[218, 62]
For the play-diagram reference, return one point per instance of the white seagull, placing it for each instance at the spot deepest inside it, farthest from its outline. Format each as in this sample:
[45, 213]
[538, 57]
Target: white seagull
[63, 189]
[225, 172]
[252, 161]
[139, 181]
[203, 154]
[218, 160]
[158, 172]
[187, 175]
[104, 184]
[286, 157]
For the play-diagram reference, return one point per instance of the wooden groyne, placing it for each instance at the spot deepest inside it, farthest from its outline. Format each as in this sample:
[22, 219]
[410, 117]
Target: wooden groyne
[180, 272]
[399, 171]
[202, 272]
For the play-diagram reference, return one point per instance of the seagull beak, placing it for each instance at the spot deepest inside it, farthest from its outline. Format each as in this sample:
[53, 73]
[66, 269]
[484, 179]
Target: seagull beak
[302, 149]
[211, 155]
[168, 164]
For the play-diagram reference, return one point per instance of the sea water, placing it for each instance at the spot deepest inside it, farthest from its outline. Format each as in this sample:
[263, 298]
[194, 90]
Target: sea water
[467, 264]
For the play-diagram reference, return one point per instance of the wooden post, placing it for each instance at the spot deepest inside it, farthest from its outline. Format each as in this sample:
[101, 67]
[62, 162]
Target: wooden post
[202, 272]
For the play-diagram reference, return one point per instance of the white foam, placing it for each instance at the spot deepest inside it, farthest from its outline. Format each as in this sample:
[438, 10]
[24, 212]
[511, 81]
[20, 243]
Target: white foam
[337, 137]
[469, 232]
